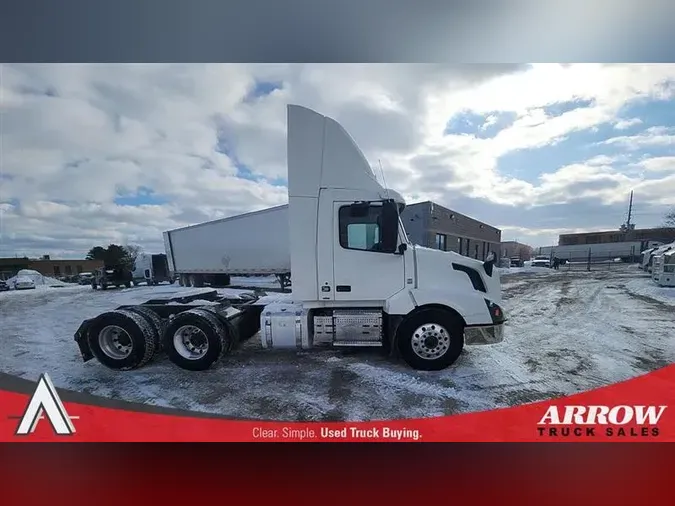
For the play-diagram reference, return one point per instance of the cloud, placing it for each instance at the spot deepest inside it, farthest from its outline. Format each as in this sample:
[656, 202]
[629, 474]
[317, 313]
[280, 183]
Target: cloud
[190, 143]
[624, 124]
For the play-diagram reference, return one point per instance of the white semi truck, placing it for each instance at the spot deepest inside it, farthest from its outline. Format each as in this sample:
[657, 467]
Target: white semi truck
[356, 279]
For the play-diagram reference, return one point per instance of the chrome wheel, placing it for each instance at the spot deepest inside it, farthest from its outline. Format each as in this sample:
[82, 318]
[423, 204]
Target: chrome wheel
[115, 342]
[430, 341]
[190, 342]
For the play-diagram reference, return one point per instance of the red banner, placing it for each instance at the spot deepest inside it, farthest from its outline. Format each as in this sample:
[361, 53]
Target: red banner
[640, 409]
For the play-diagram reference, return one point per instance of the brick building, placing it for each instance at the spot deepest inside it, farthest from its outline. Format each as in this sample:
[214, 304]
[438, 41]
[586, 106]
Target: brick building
[54, 268]
[515, 249]
[434, 226]
[662, 234]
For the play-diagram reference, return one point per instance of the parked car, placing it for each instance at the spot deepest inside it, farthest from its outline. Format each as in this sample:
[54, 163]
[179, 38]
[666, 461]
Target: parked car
[3, 286]
[111, 276]
[85, 278]
[23, 283]
[541, 261]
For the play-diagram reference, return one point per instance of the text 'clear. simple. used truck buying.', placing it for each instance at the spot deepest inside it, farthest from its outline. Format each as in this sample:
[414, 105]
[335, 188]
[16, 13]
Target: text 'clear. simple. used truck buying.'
[356, 278]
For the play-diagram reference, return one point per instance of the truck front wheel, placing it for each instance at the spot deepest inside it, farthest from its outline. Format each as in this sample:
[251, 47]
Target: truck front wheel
[430, 340]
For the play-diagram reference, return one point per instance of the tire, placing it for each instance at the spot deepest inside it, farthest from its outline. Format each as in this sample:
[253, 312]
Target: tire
[135, 329]
[210, 328]
[104, 286]
[93, 286]
[437, 324]
[153, 319]
[127, 284]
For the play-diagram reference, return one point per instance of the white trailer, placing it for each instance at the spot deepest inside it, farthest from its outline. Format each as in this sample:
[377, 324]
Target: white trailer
[357, 279]
[648, 260]
[249, 244]
[628, 251]
[664, 269]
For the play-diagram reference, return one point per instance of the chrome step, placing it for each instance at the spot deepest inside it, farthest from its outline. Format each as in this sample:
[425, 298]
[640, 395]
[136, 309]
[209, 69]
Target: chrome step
[364, 344]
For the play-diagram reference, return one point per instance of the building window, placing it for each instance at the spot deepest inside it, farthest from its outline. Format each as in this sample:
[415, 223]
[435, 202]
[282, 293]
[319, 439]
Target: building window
[360, 232]
[57, 270]
[69, 270]
[476, 255]
[441, 241]
[79, 269]
[459, 239]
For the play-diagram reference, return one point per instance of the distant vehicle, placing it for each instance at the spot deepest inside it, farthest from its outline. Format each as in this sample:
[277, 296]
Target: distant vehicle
[23, 283]
[541, 261]
[516, 262]
[628, 251]
[111, 276]
[664, 269]
[152, 269]
[649, 257]
[210, 253]
[3, 286]
[85, 278]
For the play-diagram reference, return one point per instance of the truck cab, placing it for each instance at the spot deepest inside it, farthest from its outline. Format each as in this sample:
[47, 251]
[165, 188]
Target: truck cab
[357, 279]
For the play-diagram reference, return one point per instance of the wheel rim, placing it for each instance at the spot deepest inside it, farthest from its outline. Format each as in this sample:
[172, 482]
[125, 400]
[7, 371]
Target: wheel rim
[430, 341]
[115, 342]
[190, 342]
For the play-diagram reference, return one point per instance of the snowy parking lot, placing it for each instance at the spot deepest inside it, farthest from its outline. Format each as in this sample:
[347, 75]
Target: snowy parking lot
[567, 332]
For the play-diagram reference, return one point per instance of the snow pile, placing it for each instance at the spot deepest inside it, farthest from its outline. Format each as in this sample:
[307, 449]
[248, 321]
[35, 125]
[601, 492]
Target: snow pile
[37, 278]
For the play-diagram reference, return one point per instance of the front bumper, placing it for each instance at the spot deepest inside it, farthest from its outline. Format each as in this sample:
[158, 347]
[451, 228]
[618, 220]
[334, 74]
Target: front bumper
[484, 334]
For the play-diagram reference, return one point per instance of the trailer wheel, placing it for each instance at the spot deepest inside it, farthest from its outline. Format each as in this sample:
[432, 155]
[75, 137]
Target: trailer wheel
[430, 340]
[196, 339]
[122, 340]
[153, 318]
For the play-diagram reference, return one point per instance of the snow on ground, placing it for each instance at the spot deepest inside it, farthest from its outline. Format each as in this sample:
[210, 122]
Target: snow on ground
[645, 287]
[568, 331]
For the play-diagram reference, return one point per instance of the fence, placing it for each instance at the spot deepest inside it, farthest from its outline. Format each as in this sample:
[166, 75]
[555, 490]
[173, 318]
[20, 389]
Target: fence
[588, 260]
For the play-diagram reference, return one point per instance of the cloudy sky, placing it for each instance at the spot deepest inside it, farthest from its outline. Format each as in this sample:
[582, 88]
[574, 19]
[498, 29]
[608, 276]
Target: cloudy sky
[93, 154]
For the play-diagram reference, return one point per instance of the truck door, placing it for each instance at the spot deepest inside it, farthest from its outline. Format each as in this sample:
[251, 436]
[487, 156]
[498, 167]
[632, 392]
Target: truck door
[360, 271]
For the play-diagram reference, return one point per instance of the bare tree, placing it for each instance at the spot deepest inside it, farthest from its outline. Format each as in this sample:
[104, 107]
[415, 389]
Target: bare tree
[133, 251]
[669, 219]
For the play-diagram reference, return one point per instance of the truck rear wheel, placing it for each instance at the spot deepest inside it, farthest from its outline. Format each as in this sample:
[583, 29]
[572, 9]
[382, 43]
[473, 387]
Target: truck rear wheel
[196, 339]
[122, 340]
[430, 340]
[153, 319]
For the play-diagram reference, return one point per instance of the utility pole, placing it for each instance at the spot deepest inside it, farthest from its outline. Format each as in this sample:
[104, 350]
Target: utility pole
[630, 211]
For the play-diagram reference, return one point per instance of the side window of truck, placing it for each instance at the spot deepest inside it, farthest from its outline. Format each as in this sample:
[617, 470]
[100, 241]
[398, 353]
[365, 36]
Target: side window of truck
[360, 232]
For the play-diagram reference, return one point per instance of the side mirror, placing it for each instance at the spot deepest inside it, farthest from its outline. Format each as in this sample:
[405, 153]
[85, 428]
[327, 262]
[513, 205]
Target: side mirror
[389, 224]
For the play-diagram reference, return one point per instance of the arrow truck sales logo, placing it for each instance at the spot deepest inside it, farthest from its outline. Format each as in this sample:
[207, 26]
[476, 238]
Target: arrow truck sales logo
[591, 421]
[45, 401]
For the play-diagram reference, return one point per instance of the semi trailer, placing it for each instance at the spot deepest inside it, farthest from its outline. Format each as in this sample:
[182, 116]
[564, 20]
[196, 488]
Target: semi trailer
[251, 244]
[357, 279]
[627, 251]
